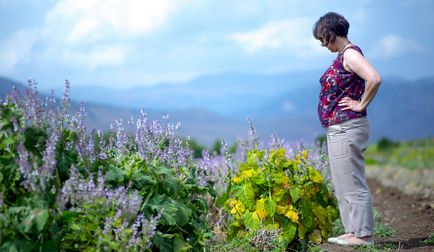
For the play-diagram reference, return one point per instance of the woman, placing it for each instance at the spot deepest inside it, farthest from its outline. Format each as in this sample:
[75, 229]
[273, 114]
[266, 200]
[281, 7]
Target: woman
[347, 88]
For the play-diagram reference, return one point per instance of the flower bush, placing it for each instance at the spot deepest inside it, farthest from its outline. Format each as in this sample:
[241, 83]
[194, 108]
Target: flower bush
[65, 188]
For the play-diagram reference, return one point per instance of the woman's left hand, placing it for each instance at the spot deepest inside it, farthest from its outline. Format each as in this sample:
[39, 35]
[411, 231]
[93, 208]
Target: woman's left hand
[349, 104]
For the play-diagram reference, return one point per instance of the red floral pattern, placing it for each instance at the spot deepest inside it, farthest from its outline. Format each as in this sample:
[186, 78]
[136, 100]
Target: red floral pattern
[337, 83]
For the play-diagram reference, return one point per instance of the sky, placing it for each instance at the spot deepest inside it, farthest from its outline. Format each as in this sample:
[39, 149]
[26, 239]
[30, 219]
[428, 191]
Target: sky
[129, 43]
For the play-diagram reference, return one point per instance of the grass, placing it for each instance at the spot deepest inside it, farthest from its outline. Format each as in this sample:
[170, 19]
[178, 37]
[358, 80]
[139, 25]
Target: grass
[429, 240]
[416, 154]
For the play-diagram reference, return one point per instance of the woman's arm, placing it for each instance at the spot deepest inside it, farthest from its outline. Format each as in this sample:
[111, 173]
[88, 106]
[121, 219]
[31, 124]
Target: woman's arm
[359, 65]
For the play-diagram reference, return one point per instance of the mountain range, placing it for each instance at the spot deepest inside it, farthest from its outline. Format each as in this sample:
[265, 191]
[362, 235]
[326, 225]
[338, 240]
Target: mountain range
[217, 106]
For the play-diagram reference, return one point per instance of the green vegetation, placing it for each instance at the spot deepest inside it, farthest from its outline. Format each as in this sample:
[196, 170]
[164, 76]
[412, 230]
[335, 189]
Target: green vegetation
[416, 154]
[429, 240]
[63, 189]
[278, 202]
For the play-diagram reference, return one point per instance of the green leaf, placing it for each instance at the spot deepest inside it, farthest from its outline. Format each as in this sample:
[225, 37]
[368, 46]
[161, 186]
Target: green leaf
[184, 214]
[27, 223]
[320, 213]
[245, 193]
[180, 245]
[9, 247]
[280, 178]
[170, 214]
[295, 193]
[252, 222]
[259, 179]
[162, 243]
[162, 170]
[143, 180]
[41, 219]
[171, 184]
[315, 176]
[270, 206]
[220, 202]
[6, 142]
[307, 215]
[115, 175]
[289, 230]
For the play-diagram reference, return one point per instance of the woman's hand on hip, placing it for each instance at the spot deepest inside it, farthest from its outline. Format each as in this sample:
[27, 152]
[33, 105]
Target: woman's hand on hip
[349, 104]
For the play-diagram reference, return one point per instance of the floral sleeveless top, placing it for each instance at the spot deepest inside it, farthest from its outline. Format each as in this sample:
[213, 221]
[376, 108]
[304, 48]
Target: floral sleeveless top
[337, 83]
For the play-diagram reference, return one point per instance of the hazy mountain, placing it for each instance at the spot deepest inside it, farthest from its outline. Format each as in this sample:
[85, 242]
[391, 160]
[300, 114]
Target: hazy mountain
[200, 124]
[231, 94]
[402, 110]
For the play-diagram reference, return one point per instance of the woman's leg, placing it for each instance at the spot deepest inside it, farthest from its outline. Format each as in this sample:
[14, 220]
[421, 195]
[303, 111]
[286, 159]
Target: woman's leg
[347, 142]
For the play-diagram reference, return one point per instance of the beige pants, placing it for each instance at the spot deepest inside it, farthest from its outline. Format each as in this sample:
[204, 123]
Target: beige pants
[346, 143]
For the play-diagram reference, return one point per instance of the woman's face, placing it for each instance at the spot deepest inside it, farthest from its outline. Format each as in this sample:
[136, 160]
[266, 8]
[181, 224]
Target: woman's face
[331, 46]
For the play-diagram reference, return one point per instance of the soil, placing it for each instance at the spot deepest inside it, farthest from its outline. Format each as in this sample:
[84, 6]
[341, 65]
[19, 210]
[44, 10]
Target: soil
[412, 216]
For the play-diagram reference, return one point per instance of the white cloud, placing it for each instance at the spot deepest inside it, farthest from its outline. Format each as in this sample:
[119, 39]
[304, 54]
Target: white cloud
[16, 48]
[394, 45]
[292, 35]
[88, 20]
[95, 58]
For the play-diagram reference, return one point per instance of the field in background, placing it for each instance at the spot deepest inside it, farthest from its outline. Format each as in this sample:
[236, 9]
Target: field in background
[406, 165]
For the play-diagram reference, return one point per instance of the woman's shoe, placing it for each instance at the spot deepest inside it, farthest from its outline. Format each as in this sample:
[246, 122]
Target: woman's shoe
[341, 237]
[355, 241]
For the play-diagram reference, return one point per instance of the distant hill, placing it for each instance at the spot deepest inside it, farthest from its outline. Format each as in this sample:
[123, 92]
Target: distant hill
[229, 94]
[402, 110]
[200, 124]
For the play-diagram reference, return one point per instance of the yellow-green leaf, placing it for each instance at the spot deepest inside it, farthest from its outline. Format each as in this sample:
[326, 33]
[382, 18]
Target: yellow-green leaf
[315, 176]
[315, 236]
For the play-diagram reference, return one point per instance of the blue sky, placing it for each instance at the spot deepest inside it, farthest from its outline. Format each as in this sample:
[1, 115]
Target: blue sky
[121, 44]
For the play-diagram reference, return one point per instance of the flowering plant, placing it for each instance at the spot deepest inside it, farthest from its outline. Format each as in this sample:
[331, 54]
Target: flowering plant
[64, 188]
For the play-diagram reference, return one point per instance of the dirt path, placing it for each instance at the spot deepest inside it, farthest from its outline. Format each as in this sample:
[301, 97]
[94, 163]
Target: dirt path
[411, 216]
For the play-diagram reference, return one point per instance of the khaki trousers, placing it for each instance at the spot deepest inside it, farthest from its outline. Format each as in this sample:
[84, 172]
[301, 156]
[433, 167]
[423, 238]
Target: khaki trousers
[346, 143]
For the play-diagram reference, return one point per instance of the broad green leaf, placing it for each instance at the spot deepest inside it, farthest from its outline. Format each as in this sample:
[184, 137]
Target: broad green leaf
[289, 230]
[171, 184]
[9, 246]
[270, 206]
[180, 245]
[220, 202]
[184, 214]
[278, 193]
[143, 180]
[115, 175]
[252, 220]
[320, 213]
[162, 170]
[28, 223]
[41, 219]
[280, 178]
[295, 193]
[315, 176]
[307, 215]
[245, 193]
[162, 242]
[258, 179]
[170, 214]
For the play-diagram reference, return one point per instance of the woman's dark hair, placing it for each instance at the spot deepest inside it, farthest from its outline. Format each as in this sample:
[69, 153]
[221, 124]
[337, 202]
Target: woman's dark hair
[329, 26]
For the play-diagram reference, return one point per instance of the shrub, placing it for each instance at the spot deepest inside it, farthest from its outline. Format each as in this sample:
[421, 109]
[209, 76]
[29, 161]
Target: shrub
[64, 188]
[284, 196]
